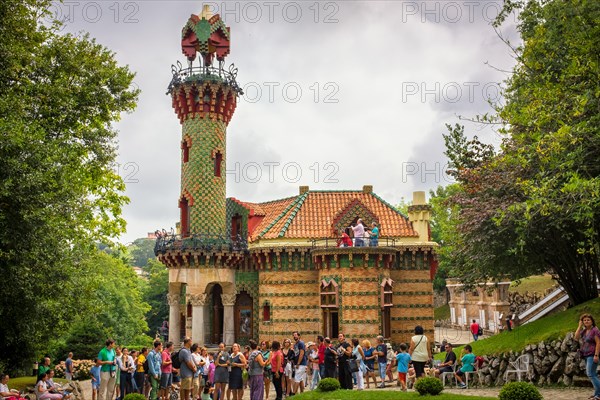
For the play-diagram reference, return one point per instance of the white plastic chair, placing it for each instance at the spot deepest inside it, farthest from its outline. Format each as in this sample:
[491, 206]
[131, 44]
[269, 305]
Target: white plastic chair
[450, 374]
[519, 366]
[474, 372]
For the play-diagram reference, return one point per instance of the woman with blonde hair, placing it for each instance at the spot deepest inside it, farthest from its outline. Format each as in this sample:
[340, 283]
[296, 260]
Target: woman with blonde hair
[238, 361]
[369, 362]
[288, 356]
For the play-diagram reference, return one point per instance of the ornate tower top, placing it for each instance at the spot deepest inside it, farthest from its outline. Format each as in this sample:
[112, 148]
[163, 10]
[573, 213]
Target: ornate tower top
[205, 34]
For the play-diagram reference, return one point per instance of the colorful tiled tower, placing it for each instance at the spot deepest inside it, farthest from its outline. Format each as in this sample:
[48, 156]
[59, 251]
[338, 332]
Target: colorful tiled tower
[204, 98]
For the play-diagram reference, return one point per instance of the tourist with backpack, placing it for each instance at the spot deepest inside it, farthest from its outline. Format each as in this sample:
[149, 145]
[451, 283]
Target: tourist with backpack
[155, 369]
[474, 328]
[141, 370]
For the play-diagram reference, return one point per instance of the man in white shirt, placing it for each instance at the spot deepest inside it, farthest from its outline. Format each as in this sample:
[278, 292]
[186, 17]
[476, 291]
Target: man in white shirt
[359, 233]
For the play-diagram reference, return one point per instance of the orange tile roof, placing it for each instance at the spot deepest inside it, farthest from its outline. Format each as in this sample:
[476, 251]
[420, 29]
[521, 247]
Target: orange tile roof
[315, 213]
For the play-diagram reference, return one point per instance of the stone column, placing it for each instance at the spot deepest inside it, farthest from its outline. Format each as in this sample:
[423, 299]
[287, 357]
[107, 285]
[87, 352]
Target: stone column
[198, 302]
[174, 315]
[228, 325]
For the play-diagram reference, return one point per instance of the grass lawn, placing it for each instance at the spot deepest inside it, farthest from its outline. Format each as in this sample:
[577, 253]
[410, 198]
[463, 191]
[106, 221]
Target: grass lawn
[535, 283]
[441, 313]
[547, 328]
[378, 395]
[25, 381]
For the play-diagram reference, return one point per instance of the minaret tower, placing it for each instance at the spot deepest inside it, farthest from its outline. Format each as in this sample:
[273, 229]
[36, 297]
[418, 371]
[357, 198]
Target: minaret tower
[204, 98]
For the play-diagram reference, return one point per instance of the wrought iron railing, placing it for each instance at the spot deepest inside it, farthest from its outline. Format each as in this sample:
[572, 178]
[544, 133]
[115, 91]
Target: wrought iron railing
[200, 241]
[183, 74]
[366, 242]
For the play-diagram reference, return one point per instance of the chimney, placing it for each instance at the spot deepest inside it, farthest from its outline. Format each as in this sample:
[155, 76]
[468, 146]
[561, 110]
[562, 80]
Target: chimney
[367, 189]
[303, 189]
[419, 213]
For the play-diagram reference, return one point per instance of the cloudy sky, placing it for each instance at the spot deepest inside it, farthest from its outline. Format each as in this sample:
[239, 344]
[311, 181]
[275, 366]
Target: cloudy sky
[337, 94]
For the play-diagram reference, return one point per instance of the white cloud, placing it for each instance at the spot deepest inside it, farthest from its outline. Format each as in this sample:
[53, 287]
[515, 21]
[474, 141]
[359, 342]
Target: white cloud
[369, 59]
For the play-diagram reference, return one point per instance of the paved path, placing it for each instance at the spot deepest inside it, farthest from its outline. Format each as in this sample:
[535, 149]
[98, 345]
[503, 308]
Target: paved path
[550, 394]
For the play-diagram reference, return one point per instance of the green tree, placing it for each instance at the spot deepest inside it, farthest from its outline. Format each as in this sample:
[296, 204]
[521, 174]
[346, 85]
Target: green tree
[534, 207]
[155, 294]
[59, 98]
[140, 251]
[444, 230]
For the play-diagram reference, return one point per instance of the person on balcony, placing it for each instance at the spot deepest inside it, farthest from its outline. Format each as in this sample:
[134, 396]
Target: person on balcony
[359, 233]
[374, 239]
[344, 241]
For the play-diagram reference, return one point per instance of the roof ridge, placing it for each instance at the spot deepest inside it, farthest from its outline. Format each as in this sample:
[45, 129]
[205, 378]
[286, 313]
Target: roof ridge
[281, 215]
[388, 204]
[276, 200]
[298, 203]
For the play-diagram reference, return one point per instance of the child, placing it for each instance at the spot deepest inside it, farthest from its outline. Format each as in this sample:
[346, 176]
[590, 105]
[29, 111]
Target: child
[207, 392]
[95, 372]
[467, 366]
[402, 359]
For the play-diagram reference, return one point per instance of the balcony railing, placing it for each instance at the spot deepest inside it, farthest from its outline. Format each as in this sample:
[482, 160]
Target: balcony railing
[200, 242]
[366, 242]
[182, 74]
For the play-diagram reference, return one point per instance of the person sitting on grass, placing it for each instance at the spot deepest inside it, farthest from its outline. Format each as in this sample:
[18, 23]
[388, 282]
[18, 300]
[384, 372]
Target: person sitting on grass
[467, 366]
[5, 392]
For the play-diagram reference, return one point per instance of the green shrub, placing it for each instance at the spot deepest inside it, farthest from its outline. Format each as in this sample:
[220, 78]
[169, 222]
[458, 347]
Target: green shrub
[432, 386]
[519, 391]
[328, 385]
[134, 396]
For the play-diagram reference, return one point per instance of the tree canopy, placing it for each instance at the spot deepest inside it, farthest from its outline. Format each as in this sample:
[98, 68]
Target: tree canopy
[60, 95]
[534, 206]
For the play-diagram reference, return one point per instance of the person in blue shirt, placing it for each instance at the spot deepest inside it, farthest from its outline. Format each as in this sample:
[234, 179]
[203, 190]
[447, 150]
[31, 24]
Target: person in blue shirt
[467, 366]
[402, 359]
[154, 371]
[95, 372]
[374, 238]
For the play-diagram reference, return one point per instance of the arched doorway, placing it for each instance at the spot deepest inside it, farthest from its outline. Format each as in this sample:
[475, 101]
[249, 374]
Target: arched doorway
[243, 317]
[217, 314]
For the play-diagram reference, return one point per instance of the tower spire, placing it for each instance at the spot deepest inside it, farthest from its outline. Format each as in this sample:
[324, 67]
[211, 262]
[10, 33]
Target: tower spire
[206, 12]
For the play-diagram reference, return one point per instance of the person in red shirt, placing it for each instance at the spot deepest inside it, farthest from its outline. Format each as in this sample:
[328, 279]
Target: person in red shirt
[475, 330]
[321, 352]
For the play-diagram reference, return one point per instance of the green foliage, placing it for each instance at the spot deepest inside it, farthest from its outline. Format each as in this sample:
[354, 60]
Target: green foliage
[519, 391]
[85, 339]
[328, 385]
[59, 98]
[155, 294]
[429, 386]
[441, 313]
[545, 329]
[141, 251]
[534, 207]
[379, 395]
[134, 396]
[444, 220]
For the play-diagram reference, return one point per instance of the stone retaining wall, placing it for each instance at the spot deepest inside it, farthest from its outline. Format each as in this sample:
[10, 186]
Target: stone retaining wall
[555, 362]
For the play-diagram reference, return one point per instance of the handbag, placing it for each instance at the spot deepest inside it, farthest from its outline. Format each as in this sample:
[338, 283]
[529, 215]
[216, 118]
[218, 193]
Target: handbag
[353, 365]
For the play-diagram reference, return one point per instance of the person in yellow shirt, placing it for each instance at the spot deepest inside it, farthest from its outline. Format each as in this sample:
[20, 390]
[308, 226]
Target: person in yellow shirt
[140, 373]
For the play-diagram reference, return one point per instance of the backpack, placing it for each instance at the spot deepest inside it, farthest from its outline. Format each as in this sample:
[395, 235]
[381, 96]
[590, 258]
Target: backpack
[479, 361]
[145, 366]
[176, 361]
[479, 331]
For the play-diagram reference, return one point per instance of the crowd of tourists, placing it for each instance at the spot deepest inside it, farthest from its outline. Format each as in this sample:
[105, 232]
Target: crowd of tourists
[278, 369]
